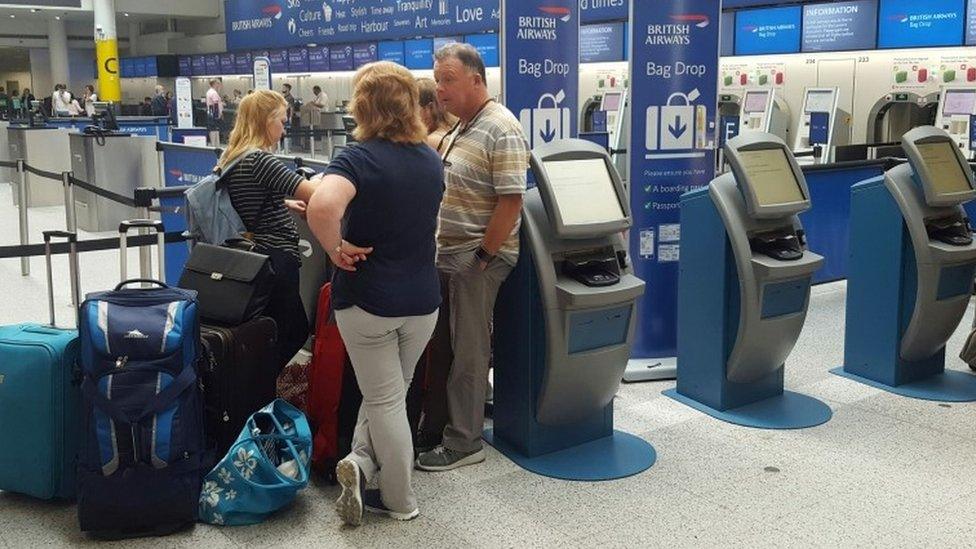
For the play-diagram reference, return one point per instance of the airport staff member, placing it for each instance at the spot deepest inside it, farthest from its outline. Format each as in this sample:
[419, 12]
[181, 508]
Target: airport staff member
[159, 104]
[215, 111]
[485, 161]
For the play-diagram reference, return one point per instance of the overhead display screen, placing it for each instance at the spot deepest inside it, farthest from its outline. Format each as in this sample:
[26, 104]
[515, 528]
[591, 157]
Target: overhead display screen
[212, 63]
[227, 63]
[278, 59]
[419, 54]
[943, 165]
[340, 58]
[840, 26]
[318, 59]
[602, 42]
[487, 46]
[391, 51]
[919, 23]
[186, 67]
[771, 177]
[242, 62]
[583, 191]
[298, 60]
[199, 64]
[363, 54]
[772, 30]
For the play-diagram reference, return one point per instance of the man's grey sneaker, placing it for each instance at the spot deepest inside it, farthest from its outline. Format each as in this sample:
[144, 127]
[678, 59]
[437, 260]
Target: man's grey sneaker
[350, 502]
[445, 459]
[374, 504]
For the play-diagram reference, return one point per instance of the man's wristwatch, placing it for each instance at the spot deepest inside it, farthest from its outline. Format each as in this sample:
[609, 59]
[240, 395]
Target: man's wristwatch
[481, 254]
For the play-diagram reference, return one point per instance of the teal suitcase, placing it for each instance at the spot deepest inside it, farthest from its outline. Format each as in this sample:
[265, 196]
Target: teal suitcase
[40, 400]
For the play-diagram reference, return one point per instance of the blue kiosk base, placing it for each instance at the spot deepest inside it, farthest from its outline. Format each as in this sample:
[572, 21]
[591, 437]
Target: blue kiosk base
[617, 456]
[949, 386]
[788, 410]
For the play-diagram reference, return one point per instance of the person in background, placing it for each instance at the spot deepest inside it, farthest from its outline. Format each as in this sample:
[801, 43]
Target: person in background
[89, 100]
[27, 97]
[16, 107]
[75, 108]
[215, 111]
[311, 112]
[486, 157]
[4, 102]
[382, 193]
[292, 102]
[160, 107]
[437, 120]
[146, 109]
[60, 100]
[261, 189]
[236, 100]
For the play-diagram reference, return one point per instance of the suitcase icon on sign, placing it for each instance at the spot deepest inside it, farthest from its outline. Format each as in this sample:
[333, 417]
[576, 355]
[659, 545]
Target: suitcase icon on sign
[671, 127]
[545, 124]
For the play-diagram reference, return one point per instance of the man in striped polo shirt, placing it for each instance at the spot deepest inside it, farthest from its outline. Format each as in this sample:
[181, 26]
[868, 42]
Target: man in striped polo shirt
[485, 161]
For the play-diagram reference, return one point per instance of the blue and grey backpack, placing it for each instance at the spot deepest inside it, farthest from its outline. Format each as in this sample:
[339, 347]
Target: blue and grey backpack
[143, 458]
[210, 215]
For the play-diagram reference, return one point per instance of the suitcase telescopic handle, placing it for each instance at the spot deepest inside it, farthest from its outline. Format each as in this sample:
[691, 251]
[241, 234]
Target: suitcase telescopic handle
[157, 226]
[72, 239]
[125, 226]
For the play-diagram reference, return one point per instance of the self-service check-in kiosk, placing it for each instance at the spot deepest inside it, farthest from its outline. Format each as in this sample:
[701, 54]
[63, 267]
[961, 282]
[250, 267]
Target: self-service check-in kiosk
[763, 111]
[957, 106]
[565, 320]
[821, 123]
[911, 270]
[744, 287]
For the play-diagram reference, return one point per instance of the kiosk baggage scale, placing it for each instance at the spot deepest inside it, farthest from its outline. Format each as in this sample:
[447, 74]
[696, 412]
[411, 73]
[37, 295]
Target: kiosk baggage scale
[743, 289]
[564, 323]
[911, 271]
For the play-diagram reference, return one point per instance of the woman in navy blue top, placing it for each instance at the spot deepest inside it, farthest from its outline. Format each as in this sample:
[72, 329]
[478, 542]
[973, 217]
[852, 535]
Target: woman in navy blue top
[383, 194]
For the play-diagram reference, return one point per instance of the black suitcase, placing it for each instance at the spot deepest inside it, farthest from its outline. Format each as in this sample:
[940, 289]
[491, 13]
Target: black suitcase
[239, 378]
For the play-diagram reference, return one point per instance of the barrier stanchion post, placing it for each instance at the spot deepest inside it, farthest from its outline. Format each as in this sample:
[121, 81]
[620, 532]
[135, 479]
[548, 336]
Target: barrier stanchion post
[22, 211]
[72, 222]
[311, 141]
[69, 202]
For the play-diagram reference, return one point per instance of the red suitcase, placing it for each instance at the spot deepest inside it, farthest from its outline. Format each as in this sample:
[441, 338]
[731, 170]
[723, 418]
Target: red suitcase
[333, 394]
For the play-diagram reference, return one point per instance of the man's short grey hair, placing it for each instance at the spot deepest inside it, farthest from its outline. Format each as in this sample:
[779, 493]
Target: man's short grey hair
[466, 54]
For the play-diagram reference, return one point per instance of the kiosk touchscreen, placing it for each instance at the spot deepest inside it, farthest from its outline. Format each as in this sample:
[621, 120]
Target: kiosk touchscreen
[744, 287]
[957, 105]
[822, 123]
[565, 319]
[763, 111]
[912, 264]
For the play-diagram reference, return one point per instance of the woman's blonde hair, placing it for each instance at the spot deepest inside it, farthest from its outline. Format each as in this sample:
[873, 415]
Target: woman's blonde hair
[428, 98]
[386, 105]
[250, 131]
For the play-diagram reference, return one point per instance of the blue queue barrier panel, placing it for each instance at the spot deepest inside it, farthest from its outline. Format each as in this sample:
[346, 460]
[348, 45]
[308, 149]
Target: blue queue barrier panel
[182, 165]
[827, 223]
[564, 322]
[744, 288]
[911, 276]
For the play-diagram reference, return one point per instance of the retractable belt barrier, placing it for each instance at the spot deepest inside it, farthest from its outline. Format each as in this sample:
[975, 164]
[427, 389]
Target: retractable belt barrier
[94, 245]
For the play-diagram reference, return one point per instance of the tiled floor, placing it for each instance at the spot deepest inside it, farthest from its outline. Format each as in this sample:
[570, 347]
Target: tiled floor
[886, 471]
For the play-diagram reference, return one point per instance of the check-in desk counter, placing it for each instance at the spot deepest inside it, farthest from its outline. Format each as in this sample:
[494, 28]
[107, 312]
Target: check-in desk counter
[119, 163]
[157, 126]
[44, 148]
